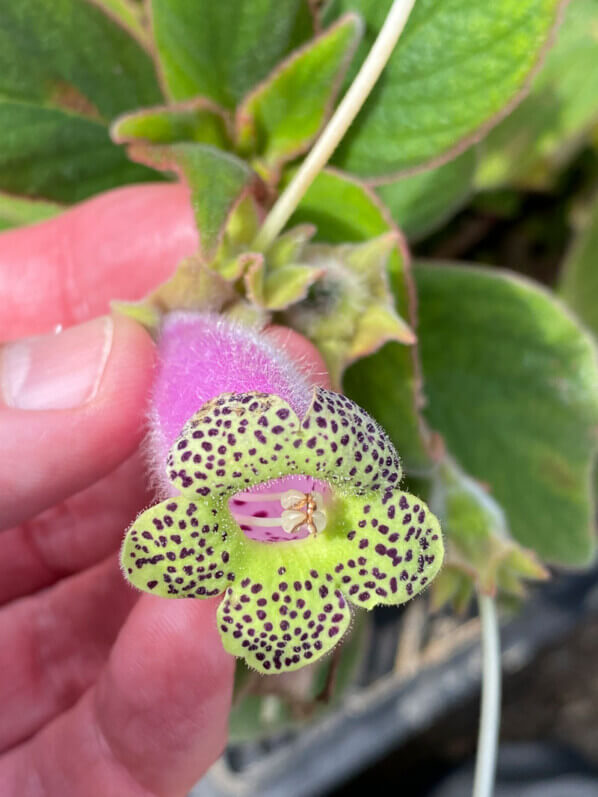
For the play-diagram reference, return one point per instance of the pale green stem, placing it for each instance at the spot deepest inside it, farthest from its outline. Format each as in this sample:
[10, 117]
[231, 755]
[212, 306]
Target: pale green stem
[485, 767]
[338, 125]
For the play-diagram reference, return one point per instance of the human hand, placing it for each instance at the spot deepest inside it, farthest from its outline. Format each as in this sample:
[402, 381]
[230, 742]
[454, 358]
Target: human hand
[102, 692]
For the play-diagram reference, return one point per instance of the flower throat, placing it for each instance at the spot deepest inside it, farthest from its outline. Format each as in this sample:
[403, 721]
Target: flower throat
[282, 510]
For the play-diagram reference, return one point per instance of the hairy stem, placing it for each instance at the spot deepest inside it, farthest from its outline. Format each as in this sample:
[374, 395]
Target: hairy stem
[338, 125]
[485, 768]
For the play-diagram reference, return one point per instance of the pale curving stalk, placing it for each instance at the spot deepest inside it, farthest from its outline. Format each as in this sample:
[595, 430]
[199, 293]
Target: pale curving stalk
[338, 125]
[485, 768]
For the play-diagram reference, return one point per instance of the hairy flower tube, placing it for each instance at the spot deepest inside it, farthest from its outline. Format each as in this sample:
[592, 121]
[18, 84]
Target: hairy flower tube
[282, 496]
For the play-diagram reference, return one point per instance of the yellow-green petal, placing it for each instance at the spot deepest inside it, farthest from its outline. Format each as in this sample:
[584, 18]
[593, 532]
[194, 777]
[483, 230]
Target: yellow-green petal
[180, 549]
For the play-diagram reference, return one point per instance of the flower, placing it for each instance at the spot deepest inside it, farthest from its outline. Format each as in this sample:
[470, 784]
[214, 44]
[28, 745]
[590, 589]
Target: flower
[291, 518]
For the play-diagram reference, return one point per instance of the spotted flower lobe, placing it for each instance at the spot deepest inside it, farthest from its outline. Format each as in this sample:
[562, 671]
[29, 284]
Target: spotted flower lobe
[285, 603]
[239, 440]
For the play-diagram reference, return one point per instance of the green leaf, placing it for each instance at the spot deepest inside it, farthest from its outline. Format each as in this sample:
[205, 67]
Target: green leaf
[288, 247]
[280, 118]
[512, 385]
[70, 55]
[16, 211]
[479, 546]
[279, 277]
[456, 66]
[342, 208]
[193, 286]
[284, 286]
[62, 156]
[350, 312]
[66, 69]
[422, 202]
[223, 50]
[549, 126]
[386, 383]
[198, 120]
[217, 179]
[579, 280]
[129, 13]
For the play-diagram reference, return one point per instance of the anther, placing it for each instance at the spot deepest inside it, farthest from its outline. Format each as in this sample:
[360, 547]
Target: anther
[299, 509]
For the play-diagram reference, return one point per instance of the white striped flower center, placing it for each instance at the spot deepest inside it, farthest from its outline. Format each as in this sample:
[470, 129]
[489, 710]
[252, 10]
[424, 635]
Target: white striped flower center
[272, 515]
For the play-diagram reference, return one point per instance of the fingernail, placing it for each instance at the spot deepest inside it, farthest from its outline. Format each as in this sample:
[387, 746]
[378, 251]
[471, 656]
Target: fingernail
[57, 371]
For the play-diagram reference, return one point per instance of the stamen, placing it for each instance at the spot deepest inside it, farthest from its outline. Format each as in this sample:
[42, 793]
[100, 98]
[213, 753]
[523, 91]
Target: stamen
[300, 509]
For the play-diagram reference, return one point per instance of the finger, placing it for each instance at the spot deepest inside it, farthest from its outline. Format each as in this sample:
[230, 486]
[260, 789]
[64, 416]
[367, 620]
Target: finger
[303, 353]
[118, 245]
[73, 410]
[73, 535]
[153, 723]
[53, 645]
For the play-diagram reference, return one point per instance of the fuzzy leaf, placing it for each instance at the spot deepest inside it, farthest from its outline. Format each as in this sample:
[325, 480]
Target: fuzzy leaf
[550, 124]
[193, 286]
[289, 246]
[387, 382]
[131, 14]
[479, 545]
[350, 312]
[378, 323]
[16, 211]
[512, 385]
[234, 268]
[579, 281]
[456, 66]
[217, 179]
[281, 117]
[452, 586]
[197, 120]
[65, 157]
[223, 50]
[234, 256]
[239, 233]
[66, 69]
[68, 54]
[280, 288]
[422, 202]
[279, 278]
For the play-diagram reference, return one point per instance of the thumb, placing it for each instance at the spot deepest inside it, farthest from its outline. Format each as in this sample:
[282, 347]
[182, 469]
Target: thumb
[71, 410]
